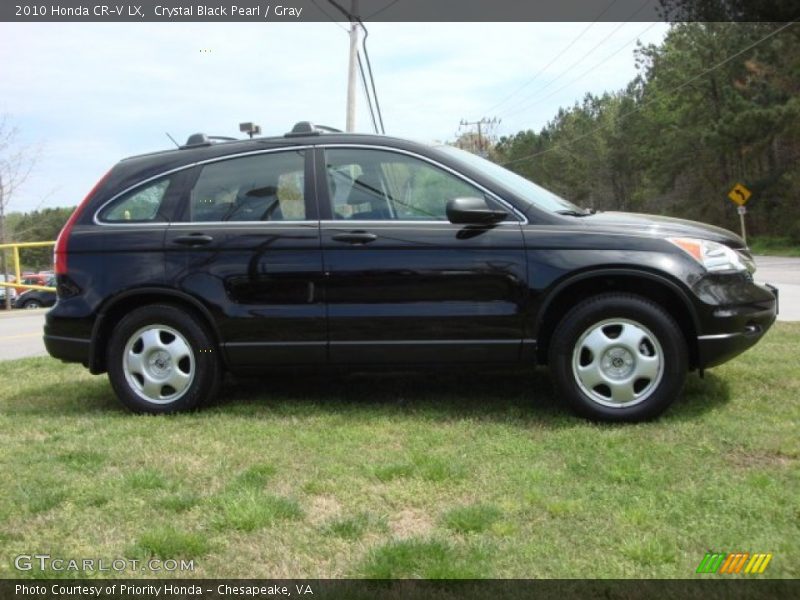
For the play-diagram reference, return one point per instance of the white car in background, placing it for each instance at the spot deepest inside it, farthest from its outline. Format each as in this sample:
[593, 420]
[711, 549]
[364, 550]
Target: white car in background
[6, 290]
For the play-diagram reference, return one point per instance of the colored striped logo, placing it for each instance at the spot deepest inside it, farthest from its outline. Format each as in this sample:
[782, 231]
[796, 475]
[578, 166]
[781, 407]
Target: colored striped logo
[734, 563]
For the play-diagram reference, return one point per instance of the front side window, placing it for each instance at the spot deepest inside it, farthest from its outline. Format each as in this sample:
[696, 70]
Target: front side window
[140, 205]
[263, 187]
[366, 185]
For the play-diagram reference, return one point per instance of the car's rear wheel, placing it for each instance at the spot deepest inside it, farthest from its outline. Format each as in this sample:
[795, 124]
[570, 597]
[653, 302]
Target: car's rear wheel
[618, 357]
[161, 360]
[32, 304]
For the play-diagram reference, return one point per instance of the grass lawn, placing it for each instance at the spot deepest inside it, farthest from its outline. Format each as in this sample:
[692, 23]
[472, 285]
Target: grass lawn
[404, 476]
[774, 246]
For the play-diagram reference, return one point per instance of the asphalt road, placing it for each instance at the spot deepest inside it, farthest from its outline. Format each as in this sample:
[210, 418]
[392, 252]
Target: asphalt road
[21, 330]
[784, 274]
[21, 333]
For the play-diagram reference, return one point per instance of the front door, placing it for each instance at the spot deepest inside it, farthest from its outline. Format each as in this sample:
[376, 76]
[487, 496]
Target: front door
[403, 284]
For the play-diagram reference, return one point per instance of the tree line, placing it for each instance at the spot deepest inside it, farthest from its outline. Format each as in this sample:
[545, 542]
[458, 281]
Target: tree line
[36, 226]
[690, 125]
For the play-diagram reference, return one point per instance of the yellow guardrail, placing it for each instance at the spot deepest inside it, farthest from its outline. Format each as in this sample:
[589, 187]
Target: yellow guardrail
[17, 274]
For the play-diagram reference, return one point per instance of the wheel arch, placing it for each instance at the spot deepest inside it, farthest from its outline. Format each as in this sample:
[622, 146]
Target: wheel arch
[660, 289]
[116, 307]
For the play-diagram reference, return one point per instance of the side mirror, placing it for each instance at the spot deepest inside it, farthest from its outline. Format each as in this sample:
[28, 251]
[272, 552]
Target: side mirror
[473, 211]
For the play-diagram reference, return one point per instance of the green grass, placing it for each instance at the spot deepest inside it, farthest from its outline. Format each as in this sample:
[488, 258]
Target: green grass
[462, 475]
[180, 502]
[249, 511]
[427, 468]
[471, 519]
[356, 526]
[429, 559]
[774, 246]
[255, 476]
[167, 542]
[146, 479]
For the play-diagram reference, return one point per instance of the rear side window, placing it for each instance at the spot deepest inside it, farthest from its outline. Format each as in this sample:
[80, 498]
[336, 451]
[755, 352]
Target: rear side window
[265, 187]
[139, 205]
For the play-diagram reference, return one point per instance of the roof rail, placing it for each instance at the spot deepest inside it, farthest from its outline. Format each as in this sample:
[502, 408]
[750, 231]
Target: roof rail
[201, 139]
[308, 128]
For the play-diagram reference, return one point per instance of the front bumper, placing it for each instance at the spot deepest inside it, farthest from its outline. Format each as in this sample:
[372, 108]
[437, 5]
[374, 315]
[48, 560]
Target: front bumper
[743, 326]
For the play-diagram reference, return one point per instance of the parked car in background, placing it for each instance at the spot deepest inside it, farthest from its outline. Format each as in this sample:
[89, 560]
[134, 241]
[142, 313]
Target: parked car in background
[37, 298]
[30, 279]
[323, 249]
[6, 290]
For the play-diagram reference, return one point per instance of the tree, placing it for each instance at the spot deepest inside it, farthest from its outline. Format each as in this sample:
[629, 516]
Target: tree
[37, 226]
[16, 163]
[701, 115]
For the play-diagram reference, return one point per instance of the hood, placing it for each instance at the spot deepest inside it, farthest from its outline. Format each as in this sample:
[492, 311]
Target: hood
[659, 226]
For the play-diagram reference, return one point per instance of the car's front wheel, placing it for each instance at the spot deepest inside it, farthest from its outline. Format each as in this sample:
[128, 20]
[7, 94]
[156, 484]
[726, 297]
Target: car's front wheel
[618, 357]
[161, 360]
[31, 304]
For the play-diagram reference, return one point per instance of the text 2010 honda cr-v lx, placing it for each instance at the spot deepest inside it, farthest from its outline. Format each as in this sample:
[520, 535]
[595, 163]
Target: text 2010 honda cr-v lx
[327, 249]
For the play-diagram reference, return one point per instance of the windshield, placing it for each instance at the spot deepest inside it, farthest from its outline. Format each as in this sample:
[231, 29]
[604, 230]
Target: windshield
[525, 189]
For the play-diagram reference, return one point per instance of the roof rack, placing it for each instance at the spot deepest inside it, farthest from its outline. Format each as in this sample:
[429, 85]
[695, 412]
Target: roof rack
[308, 128]
[201, 139]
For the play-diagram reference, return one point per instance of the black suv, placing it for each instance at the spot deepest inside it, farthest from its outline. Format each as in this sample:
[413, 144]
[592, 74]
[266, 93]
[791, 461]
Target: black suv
[320, 248]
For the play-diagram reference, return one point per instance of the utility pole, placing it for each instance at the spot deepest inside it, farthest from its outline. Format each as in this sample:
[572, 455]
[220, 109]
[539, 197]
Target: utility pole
[480, 123]
[353, 65]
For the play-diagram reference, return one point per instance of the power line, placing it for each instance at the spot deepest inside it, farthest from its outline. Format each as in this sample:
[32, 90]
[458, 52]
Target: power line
[548, 65]
[387, 7]
[648, 102]
[371, 78]
[580, 60]
[355, 18]
[366, 92]
[327, 14]
[490, 123]
[342, 9]
[582, 75]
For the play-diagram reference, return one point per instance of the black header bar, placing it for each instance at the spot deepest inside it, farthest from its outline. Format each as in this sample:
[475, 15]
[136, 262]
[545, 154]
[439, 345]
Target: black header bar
[265, 11]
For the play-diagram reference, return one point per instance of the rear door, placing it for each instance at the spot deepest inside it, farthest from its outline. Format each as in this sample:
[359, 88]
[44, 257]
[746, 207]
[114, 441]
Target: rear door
[123, 248]
[247, 245]
[403, 283]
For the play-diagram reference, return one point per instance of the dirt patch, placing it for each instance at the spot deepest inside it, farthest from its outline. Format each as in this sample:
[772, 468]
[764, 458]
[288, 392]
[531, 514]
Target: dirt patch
[410, 523]
[751, 459]
[323, 509]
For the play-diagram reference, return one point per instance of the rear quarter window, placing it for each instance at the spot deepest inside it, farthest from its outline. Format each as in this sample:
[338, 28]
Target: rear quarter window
[141, 205]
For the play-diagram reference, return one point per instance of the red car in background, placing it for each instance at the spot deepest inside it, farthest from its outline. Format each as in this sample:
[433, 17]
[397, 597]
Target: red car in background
[30, 279]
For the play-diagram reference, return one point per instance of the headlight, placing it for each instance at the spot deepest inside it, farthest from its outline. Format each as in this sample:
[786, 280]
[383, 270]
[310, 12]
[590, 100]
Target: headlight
[714, 256]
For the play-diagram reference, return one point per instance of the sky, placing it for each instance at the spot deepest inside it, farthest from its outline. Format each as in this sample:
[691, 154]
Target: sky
[84, 95]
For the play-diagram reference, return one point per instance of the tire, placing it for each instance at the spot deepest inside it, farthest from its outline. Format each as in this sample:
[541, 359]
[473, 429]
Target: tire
[32, 304]
[162, 360]
[618, 357]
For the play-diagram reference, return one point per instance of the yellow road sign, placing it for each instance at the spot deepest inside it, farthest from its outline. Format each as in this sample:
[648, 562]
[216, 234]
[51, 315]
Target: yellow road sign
[739, 194]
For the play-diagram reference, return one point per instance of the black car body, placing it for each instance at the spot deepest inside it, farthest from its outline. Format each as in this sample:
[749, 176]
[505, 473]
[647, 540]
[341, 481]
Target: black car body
[317, 249]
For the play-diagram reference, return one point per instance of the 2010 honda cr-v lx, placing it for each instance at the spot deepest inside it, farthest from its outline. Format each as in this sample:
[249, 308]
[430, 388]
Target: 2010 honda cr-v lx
[328, 249]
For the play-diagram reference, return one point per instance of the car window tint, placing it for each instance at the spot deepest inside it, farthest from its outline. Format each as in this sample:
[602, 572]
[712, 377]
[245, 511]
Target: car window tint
[366, 184]
[139, 205]
[265, 187]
